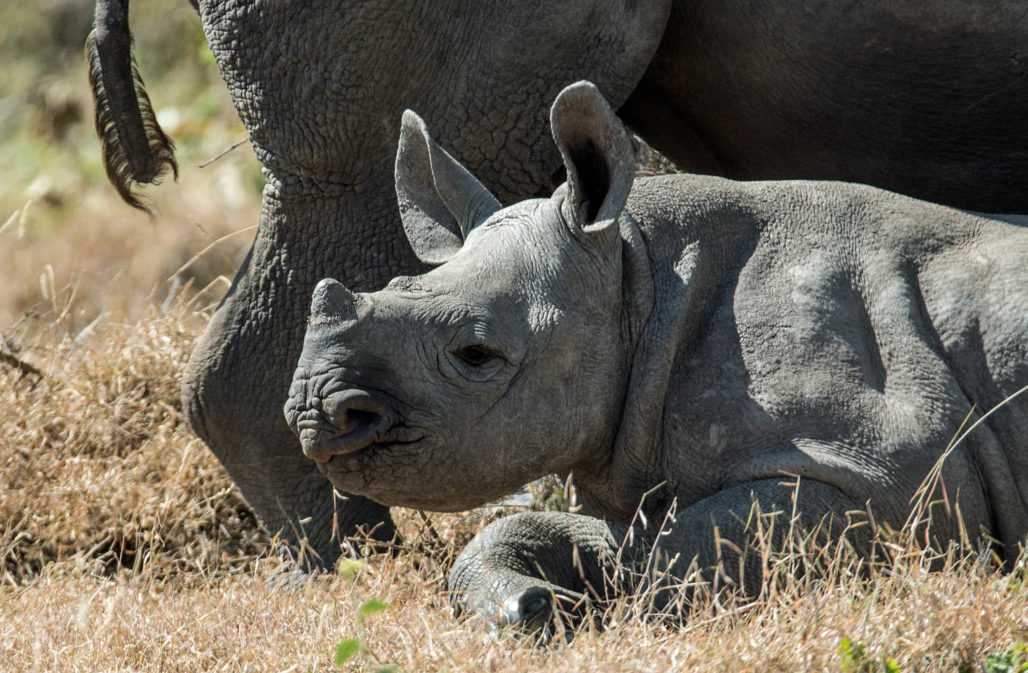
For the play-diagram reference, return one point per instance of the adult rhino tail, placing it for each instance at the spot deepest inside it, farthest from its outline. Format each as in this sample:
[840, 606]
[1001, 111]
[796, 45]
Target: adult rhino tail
[136, 150]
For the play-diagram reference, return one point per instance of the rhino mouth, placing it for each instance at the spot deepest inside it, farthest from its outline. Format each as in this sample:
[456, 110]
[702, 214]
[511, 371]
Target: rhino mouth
[324, 444]
[363, 458]
[321, 445]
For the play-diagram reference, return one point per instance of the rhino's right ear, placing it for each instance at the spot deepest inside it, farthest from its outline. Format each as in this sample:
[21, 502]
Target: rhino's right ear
[440, 201]
[597, 155]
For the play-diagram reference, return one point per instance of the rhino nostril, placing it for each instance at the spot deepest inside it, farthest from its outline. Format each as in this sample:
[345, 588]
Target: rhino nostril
[354, 419]
[343, 422]
[340, 423]
[351, 410]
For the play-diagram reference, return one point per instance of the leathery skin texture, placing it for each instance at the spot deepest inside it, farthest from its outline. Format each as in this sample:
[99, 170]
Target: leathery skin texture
[925, 99]
[680, 343]
[321, 90]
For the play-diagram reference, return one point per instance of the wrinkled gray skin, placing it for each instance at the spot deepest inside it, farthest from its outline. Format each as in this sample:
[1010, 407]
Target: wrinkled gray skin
[696, 338]
[922, 97]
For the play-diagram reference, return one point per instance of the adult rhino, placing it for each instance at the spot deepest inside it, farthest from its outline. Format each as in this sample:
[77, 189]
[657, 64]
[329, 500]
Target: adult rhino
[926, 98]
[683, 345]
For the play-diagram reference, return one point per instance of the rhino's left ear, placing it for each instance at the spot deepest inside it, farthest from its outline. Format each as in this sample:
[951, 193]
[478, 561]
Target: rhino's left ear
[597, 155]
[440, 201]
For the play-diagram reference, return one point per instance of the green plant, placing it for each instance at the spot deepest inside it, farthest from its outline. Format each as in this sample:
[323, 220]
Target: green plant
[348, 648]
[1014, 660]
[853, 658]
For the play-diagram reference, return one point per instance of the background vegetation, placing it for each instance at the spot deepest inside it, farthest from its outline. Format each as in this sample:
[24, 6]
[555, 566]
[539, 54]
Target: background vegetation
[124, 546]
[61, 226]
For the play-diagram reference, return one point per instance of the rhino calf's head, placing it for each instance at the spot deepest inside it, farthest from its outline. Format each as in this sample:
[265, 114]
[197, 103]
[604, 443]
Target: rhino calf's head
[508, 360]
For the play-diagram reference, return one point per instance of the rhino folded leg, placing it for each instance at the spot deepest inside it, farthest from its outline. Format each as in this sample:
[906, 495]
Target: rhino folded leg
[522, 570]
[519, 569]
[720, 541]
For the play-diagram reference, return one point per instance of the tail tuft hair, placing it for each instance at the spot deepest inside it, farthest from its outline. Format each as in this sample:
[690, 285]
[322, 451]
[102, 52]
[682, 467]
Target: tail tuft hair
[125, 169]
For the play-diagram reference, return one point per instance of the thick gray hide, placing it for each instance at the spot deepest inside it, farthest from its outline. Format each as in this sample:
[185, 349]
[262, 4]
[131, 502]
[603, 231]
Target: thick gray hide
[701, 334]
[925, 98]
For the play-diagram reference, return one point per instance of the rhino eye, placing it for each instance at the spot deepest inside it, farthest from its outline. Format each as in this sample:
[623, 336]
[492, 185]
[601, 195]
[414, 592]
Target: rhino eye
[476, 356]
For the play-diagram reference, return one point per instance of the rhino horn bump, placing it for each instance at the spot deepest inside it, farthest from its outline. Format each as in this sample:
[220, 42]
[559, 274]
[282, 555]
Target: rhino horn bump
[332, 301]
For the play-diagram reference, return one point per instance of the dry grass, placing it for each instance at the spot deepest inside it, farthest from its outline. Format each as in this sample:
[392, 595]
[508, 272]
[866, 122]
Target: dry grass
[95, 461]
[68, 264]
[937, 622]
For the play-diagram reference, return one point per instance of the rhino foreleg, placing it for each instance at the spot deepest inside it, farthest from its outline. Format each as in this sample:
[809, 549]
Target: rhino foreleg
[520, 569]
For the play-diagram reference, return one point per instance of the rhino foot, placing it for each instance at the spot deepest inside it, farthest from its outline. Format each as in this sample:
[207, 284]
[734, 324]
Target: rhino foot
[535, 572]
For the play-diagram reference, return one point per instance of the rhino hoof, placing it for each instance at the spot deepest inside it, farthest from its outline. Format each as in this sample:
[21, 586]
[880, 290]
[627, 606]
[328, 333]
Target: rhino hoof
[531, 610]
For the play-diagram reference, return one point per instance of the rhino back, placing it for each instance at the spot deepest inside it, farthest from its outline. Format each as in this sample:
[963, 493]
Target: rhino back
[836, 340]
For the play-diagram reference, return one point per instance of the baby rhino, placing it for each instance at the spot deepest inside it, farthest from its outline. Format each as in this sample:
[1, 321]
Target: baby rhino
[686, 344]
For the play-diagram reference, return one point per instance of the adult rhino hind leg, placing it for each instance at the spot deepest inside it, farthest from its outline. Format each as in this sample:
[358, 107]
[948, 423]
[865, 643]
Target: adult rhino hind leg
[286, 491]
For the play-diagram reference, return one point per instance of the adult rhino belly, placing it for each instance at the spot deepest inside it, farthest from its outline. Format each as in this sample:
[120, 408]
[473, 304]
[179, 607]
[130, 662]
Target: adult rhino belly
[925, 99]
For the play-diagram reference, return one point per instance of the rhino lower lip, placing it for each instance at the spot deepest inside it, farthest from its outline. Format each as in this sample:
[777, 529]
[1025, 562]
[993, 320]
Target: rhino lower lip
[345, 444]
[370, 449]
[322, 447]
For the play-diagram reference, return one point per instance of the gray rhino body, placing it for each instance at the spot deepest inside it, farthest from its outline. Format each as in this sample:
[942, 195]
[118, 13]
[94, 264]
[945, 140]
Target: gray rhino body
[691, 339]
[924, 98]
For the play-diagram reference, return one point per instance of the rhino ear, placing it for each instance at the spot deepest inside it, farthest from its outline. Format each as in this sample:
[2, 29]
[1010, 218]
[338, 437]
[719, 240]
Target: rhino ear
[597, 155]
[440, 201]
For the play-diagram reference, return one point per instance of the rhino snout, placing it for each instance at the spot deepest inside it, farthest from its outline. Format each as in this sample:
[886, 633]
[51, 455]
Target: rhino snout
[350, 421]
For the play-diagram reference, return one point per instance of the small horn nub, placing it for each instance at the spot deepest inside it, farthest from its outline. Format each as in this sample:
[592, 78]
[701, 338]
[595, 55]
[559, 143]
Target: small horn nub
[332, 302]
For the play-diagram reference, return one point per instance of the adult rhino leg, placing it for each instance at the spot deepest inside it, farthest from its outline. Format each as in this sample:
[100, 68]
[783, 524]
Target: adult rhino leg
[519, 569]
[239, 373]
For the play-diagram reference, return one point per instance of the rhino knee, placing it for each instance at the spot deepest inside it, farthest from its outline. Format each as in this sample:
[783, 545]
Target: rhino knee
[206, 394]
[194, 408]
